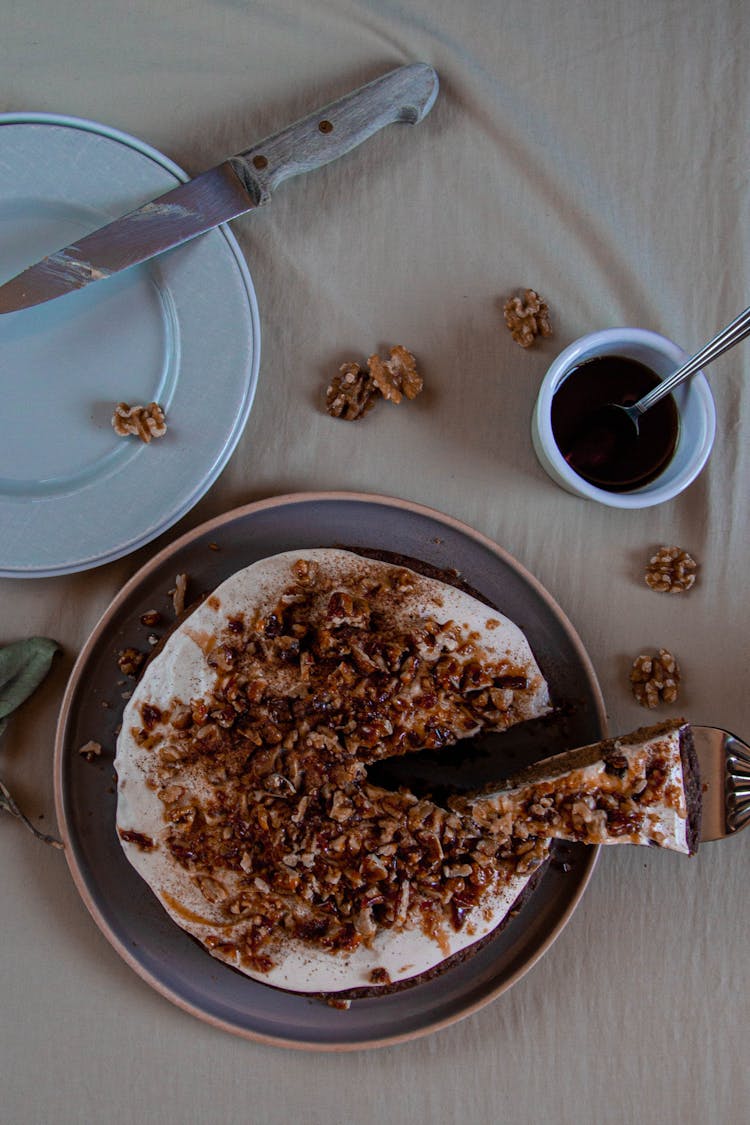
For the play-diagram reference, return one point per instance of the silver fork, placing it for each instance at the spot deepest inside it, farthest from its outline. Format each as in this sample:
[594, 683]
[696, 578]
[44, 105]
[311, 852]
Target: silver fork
[725, 771]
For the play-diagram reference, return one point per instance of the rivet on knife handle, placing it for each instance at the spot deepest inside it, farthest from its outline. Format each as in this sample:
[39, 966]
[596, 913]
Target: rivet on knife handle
[403, 95]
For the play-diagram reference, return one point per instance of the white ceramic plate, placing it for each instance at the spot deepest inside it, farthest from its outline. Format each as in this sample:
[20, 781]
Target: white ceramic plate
[182, 330]
[122, 904]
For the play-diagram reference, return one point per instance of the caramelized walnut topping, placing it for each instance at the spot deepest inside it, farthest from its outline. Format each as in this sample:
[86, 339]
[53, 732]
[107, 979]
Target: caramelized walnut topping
[671, 571]
[616, 764]
[655, 679]
[380, 976]
[304, 571]
[144, 422]
[527, 316]
[130, 836]
[279, 818]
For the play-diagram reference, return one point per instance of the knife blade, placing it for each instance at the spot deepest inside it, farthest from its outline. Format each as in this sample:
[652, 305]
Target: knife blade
[231, 189]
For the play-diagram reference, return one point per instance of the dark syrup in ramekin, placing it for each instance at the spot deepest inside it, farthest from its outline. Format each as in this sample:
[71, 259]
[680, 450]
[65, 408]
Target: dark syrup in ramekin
[602, 452]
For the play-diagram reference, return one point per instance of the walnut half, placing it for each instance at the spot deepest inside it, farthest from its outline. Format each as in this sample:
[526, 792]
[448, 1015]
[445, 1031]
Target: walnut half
[351, 393]
[397, 376]
[527, 316]
[145, 422]
[671, 571]
[655, 679]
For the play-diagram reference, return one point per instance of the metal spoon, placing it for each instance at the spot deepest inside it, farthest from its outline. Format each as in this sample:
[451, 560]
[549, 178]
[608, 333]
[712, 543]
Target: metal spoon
[722, 342]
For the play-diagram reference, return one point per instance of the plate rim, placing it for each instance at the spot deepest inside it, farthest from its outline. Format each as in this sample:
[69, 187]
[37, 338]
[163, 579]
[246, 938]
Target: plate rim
[147, 535]
[172, 550]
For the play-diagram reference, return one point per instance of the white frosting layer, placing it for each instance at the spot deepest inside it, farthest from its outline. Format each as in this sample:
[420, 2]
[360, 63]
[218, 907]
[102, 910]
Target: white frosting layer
[181, 672]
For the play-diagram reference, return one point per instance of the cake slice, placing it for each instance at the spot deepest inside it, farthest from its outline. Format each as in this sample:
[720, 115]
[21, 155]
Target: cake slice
[642, 788]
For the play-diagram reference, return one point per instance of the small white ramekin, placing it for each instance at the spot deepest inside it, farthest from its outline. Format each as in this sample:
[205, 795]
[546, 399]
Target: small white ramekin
[695, 407]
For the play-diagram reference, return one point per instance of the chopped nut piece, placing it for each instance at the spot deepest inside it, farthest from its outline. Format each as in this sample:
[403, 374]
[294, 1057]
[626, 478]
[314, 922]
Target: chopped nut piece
[655, 679]
[129, 661]
[527, 316]
[351, 393]
[671, 571]
[396, 376]
[90, 751]
[178, 594]
[145, 422]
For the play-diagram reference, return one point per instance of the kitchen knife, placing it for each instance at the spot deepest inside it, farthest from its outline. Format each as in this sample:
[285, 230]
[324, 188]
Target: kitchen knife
[237, 185]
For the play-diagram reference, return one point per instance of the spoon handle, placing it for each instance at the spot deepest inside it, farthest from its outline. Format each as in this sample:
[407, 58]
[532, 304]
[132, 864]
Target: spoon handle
[727, 338]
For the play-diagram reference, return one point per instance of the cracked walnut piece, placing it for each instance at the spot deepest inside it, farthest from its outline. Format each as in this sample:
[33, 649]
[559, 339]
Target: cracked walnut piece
[351, 393]
[671, 571]
[655, 679]
[527, 316]
[354, 391]
[145, 422]
[396, 376]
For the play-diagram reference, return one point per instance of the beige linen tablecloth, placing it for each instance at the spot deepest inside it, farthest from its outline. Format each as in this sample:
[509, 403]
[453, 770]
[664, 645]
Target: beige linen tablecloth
[597, 151]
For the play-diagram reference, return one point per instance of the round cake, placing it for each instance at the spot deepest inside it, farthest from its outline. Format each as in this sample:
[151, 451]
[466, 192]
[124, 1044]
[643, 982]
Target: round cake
[243, 794]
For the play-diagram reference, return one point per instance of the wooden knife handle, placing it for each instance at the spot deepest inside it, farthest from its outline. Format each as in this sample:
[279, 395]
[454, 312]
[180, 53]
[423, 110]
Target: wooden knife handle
[403, 95]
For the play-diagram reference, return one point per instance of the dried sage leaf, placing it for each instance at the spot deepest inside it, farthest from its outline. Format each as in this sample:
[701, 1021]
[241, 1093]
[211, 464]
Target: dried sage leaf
[23, 666]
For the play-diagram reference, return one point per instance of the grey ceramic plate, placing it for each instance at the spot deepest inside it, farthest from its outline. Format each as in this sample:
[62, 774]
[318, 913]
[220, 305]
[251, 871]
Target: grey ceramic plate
[151, 333]
[123, 906]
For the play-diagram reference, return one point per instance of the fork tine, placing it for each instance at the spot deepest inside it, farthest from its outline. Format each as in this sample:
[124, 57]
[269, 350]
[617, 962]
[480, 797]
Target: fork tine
[738, 784]
[709, 746]
[725, 768]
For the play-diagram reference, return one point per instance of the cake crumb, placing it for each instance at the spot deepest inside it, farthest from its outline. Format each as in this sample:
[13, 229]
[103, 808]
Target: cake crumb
[341, 1005]
[90, 751]
[130, 661]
